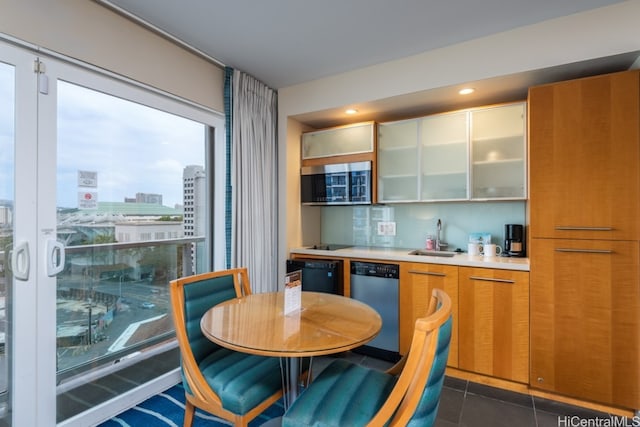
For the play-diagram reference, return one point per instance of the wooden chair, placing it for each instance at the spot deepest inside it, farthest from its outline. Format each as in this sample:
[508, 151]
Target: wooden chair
[229, 384]
[348, 394]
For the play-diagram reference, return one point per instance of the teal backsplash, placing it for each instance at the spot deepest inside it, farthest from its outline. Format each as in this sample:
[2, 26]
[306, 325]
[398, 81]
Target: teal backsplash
[357, 225]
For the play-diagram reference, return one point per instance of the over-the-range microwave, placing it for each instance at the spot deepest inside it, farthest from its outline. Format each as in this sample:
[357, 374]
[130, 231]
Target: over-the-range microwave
[336, 184]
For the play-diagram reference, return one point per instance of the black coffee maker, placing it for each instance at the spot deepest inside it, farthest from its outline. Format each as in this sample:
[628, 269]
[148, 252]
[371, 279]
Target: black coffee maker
[513, 240]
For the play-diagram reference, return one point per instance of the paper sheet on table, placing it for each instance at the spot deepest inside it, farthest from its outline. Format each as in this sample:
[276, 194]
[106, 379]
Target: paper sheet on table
[292, 292]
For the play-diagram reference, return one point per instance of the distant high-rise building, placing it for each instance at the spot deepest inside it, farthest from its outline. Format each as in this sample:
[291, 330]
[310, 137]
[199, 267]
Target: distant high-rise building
[194, 187]
[194, 197]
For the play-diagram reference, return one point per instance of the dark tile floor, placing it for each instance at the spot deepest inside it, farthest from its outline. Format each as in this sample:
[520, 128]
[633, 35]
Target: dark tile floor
[468, 404]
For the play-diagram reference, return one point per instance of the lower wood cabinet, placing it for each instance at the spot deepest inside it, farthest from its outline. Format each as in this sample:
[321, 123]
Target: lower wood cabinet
[417, 280]
[493, 322]
[585, 319]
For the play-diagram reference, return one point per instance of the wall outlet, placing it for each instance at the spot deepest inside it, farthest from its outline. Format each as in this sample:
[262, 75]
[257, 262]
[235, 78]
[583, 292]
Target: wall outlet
[386, 228]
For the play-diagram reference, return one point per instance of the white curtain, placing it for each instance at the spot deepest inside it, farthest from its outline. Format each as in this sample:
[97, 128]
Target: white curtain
[254, 181]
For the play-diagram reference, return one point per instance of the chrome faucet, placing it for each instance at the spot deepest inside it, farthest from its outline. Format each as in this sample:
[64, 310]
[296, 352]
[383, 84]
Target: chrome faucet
[439, 226]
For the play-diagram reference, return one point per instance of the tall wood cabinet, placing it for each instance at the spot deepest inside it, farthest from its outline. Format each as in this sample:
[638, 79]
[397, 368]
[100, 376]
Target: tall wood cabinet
[493, 337]
[585, 328]
[417, 281]
[584, 157]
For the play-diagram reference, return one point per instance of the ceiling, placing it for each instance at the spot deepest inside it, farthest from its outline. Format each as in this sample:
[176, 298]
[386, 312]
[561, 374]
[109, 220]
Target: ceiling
[288, 42]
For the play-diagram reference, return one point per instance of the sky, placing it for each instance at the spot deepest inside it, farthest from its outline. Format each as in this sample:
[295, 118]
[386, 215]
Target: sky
[6, 132]
[133, 148]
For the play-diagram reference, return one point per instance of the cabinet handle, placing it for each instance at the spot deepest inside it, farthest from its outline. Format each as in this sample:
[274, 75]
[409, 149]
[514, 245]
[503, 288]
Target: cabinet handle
[572, 228]
[427, 273]
[585, 251]
[491, 279]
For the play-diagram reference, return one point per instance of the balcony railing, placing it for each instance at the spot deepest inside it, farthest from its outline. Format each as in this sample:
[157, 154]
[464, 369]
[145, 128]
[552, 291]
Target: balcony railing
[113, 301]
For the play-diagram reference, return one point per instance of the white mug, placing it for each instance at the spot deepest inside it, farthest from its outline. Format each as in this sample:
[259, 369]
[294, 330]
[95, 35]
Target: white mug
[491, 250]
[474, 249]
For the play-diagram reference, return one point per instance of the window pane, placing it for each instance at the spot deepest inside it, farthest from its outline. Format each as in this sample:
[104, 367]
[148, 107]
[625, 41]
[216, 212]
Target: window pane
[7, 182]
[122, 175]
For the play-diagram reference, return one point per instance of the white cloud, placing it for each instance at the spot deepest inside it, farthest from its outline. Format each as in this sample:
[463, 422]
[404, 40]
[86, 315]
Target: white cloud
[133, 148]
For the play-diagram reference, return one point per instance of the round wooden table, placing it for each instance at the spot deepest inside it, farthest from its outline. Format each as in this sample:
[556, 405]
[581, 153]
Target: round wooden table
[325, 324]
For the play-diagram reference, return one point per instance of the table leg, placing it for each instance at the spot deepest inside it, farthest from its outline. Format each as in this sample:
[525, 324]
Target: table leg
[290, 372]
[294, 380]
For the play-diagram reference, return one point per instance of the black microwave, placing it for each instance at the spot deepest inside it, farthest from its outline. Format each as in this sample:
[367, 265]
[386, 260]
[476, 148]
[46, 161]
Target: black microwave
[337, 184]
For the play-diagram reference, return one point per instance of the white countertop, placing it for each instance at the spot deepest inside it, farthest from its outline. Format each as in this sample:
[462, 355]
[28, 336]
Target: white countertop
[400, 254]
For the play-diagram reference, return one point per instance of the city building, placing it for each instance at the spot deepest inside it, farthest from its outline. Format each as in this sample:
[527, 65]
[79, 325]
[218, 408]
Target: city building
[194, 184]
[195, 202]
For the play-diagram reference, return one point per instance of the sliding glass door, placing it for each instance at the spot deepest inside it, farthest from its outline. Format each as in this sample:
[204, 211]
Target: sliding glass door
[18, 112]
[101, 194]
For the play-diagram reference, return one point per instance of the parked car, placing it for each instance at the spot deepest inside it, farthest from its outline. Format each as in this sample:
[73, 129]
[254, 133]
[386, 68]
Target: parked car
[147, 304]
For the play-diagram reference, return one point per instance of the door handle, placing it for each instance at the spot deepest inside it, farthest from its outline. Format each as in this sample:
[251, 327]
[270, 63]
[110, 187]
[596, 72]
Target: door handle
[585, 251]
[428, 273]
[55, 257]
[492, 279]
[20, 263]
[575, 228]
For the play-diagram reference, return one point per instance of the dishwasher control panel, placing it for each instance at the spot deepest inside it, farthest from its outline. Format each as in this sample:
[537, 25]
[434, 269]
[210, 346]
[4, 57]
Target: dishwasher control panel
[391, 271]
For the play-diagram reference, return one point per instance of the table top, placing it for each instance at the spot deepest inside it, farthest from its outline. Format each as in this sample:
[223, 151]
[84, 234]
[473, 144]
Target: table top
[325, 324]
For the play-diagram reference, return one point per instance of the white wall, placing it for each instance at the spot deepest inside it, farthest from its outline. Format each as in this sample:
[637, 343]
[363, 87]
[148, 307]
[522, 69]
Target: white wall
[91, 33]
[593, 34]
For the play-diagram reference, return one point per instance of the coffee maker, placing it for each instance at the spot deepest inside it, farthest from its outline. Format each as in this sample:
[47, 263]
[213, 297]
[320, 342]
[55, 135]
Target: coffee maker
[513, 240]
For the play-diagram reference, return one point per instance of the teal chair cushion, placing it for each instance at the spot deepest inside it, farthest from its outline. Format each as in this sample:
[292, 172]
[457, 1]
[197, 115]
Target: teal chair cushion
[241, 380]
[199, 297]
[344, 394]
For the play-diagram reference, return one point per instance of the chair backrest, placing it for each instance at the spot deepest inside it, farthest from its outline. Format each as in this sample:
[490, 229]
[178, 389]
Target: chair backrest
[191, 297]
[415, 397]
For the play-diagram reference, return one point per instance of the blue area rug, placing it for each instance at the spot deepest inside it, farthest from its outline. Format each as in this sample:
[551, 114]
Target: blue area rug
[167, 409]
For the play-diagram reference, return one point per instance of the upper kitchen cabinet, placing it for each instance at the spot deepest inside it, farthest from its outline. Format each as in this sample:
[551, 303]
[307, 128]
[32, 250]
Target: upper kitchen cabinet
[428, 159]
[444, 158]
[398, 161]
[356, 141]
[585, 158]
[498, 152]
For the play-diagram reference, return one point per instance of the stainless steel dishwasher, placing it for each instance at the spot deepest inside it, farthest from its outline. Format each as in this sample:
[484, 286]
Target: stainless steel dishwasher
[376, 285]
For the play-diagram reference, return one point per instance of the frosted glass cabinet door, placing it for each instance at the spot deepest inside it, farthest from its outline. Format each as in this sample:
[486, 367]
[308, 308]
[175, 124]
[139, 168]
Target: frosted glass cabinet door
[498, 154]
[398, 161]
[349, 139]
[444, 157]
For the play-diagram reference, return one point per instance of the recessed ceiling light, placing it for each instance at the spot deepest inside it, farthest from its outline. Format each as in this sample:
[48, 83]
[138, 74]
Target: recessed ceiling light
[466, 91]
[351, 111]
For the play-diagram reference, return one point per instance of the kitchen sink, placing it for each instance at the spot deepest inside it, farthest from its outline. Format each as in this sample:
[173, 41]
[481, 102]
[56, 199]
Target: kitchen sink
[425, 252]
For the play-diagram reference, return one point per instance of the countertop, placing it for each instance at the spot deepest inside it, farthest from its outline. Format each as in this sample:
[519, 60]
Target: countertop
[400, 254]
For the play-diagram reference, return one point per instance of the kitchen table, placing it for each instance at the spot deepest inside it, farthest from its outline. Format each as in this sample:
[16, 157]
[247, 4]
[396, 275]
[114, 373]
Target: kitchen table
[325, 324]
